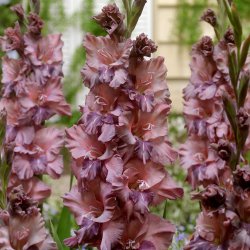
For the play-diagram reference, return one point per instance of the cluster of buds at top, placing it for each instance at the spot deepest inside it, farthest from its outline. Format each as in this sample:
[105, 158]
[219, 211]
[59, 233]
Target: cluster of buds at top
[31, 94]
[120, 145]
[216, 108]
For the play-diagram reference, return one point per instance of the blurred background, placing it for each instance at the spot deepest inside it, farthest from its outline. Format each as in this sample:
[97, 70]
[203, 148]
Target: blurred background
[174, 25]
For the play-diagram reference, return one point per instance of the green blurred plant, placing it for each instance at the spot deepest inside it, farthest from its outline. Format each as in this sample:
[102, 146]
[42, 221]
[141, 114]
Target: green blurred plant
[188, 28]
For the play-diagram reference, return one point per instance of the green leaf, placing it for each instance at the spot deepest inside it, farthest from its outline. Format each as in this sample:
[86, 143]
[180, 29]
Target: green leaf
[56, 238]
[136, 12]
[228, 10]
[64, 225]
[232, 65]
[35, 6]
[243, 137]
[231, 113]
[237, 26]
[164, 215]
[244, 51]
[243, 88]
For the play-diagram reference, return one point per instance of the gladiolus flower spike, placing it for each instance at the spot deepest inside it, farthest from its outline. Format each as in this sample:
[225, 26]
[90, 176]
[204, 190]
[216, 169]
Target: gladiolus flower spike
[216, 108]
[31, 94]
[120, 145]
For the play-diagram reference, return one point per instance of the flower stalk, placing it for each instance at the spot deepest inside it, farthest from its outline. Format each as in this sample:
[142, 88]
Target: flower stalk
[31, 94]
[120, 146]
[217, 115]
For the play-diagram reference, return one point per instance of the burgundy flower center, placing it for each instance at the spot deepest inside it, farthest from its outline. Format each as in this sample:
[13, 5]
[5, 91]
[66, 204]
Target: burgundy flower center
[213, 202]
[242, 180]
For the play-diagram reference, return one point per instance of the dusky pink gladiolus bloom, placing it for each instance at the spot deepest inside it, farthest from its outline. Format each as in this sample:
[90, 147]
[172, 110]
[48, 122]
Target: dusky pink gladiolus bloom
[32, 93]
[209, 152]
[120, 146]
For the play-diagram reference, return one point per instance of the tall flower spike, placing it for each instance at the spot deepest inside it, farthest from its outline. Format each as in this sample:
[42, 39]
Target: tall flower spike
[216, 109]
[31, 94]
[120, 145]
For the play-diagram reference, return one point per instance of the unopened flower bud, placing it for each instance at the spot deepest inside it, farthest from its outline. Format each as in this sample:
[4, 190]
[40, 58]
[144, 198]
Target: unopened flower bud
[35, 24]
[243, 118]
[229, 36]
[212, 198]
[205, 46]
[21, 204]
[18, 9]
[209, 17]
[224, 150]
[111, 19]
[143, 46]
[242, 177]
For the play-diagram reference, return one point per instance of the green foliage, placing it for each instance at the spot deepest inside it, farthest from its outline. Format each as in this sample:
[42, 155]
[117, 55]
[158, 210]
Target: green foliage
[187, 26]
[56, 238]
[7, 18]
[64, 225]
[188, 16]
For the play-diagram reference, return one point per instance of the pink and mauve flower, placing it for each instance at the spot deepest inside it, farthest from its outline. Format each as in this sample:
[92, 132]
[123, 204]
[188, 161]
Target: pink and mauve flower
[242, 192]
[97, 204]
[34, 188]
[45, 55]
[221, 53]
[201, 56]
[218, 223]
[82, 145]
[32, 93]
[12, 40]
[42, 156]
[44, 101]
[15, 116]
[95, 214]
[14, 74]
[19, 11]
[22, 225]
[146, 134]
[120, 145]
[106, 101]
[143, 46]
[111, 19]
[203, 164]
[143, 185]
[35, 24]
[45, 51]
[106, 62]
[148, 78]
[211, 147]
[153, 233]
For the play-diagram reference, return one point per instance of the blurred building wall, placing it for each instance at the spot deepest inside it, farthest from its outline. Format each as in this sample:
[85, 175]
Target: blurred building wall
[176, 55]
